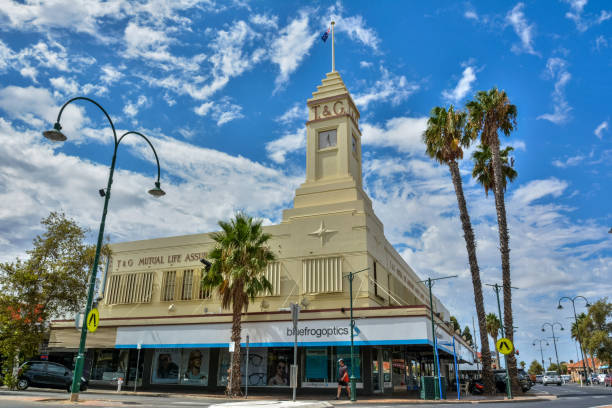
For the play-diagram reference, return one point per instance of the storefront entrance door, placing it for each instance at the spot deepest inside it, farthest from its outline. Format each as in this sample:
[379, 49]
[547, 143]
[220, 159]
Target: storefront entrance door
[399, 372]
[377, 371]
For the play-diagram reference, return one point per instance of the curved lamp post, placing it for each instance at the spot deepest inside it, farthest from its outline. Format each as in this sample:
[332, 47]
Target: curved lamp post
[552, 328]
[587, 304]
[541, 352]
[56, 135]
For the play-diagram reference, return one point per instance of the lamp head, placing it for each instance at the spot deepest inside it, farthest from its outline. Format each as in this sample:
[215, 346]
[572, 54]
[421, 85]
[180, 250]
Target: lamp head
[157, 191]
[562, 328]
[559, 306]
[588, 304]
[206, 264]
[56, 135]
[542, 329]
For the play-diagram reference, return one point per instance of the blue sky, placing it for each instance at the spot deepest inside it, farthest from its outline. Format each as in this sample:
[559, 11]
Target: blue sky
[221, 89]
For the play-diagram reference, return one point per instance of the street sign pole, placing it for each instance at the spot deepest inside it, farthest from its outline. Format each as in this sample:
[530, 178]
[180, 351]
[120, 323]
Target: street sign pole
[137, 363]
[295, 314]
[246, 374]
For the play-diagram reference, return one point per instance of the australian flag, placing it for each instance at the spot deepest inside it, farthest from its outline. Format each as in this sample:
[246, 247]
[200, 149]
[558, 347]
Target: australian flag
[325, 35]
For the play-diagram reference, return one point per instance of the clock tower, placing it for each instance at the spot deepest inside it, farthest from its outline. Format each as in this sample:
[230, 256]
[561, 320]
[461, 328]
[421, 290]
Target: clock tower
[333, 154]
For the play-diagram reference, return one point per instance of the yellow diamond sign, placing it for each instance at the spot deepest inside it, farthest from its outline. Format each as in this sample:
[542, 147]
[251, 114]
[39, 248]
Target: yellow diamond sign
[93, 319]
[504, 346]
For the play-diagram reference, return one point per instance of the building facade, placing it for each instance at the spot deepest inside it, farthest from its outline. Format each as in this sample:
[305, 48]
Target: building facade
[156, 321]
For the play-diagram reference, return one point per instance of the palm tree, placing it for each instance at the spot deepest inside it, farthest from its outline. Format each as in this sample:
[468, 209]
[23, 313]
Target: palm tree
[444, 139]
[483, 167]
[239, 259]
[489, 113]
[493, 326]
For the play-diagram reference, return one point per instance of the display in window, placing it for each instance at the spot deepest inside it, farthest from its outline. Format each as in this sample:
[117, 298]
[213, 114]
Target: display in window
[257, 364]
[165, 366]
[278, 366]
[224, 367]
[316, 364]
[194, 367]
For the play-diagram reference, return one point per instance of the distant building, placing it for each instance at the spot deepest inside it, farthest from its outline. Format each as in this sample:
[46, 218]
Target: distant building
[152, 308]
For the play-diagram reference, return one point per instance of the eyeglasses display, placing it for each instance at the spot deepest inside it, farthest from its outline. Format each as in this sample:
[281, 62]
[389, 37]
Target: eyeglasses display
[184, 366]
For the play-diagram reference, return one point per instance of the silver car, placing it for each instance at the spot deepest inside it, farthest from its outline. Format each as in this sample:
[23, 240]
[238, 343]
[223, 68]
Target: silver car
[551, 377]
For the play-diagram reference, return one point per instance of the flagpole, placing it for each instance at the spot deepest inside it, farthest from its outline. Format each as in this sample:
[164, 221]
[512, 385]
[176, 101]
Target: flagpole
[333, 51]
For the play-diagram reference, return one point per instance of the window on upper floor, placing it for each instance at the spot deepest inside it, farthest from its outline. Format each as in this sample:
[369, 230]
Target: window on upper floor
[272, 274]
[168, 286]
[130, 288]
[187, 286]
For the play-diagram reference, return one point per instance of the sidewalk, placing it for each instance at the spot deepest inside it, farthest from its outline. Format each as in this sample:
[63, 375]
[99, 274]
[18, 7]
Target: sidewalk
[267, 400]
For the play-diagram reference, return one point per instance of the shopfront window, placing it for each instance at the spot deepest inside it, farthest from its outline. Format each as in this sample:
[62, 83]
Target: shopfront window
[109, 364]
[180, 366]
[317, 367]
[268, 367]
[344, 353]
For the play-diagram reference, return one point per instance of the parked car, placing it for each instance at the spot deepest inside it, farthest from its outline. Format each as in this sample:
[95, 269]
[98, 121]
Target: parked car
[47, 375]
[601, 378]
[551, 377]
[500, 380]
[566, 378]
[539, 378]
[608, 380]
[594, 379]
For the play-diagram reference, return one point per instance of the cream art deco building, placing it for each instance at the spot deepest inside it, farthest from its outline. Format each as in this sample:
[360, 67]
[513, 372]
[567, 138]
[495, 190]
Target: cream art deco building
[152, 310]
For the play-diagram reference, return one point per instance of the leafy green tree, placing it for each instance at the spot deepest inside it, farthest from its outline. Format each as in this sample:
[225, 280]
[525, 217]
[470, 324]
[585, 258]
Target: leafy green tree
[50, 283]
[522, 364]
[455, 323]
[467, 335]
[493, 326]
[535, 368]
[489, 113]
[599, 341]
[580, 332]
[239, 260]
[445, 138]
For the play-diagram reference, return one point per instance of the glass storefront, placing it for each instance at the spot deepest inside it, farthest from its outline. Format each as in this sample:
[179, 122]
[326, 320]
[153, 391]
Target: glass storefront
[266, 366]
[180, 366]
[321, 365]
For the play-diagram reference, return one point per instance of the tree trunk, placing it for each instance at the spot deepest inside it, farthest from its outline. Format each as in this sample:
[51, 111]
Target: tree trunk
[504, 248]
[497, 352]
[233, 383]
[470, 244]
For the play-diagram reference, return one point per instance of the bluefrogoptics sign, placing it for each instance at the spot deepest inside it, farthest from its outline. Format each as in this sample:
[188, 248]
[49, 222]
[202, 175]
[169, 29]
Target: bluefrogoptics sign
[318, 333]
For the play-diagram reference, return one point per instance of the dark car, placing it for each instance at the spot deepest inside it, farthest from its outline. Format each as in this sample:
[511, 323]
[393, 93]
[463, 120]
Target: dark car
[500, 380]
[47, 375]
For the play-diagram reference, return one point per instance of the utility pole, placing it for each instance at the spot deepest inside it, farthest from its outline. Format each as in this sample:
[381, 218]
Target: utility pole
[541, 352]
[552, 328]
[438, 389]
[501, 320]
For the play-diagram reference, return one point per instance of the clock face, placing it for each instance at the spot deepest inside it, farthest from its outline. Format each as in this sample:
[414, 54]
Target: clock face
[327, 138]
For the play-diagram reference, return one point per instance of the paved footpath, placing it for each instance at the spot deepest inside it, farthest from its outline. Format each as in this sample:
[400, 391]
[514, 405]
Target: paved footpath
[570, 396]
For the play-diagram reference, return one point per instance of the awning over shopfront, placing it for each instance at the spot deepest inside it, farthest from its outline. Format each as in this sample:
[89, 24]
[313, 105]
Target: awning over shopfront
[370, 332]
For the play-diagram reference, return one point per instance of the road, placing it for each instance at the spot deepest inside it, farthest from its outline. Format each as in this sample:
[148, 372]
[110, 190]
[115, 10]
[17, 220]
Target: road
[569, 396]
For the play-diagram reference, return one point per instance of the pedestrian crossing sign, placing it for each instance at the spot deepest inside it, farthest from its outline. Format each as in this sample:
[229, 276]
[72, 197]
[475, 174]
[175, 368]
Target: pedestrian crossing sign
[93, 319]
[504, 346]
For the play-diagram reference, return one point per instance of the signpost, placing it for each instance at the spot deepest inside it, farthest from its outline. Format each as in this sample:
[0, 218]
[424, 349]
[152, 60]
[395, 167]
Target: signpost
[295, 314]
[246, 374]
[93, 320]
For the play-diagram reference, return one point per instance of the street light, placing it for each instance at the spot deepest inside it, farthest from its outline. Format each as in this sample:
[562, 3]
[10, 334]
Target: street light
[541, 352]
[352, 379]
[56, 135]
[587, 304]
[552, 328]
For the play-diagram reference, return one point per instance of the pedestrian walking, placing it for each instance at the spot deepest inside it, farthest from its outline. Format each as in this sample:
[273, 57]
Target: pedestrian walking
[343, 379]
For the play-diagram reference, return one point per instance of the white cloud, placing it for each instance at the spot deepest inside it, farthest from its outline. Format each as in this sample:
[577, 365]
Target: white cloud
[290, 47]
[264, 20]
[603, 126]
[131, 108]
[583, 23]
[365, 64]
[601, 43]
[537, 189]
[522, 28]
[296, 112]
[470, 15]
[29, 72]
[388, 88]
[37, 108]
[223, 112]
[556, 68]
[569, 162]
[356, 29]
[463, 86]
[403, 133]
[278, 149]
[110, 74]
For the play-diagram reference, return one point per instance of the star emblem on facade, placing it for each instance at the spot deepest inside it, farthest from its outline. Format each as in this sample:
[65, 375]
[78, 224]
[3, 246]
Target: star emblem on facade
[322, 232]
